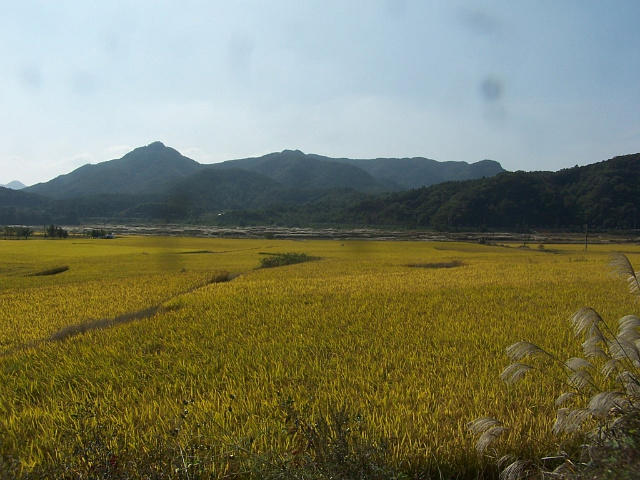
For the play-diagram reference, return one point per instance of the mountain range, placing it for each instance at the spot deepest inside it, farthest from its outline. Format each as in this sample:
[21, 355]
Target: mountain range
[156, 183]
[156, 167]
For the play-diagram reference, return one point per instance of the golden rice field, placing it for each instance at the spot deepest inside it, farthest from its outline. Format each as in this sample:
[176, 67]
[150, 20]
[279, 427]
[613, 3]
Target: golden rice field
[413, 352]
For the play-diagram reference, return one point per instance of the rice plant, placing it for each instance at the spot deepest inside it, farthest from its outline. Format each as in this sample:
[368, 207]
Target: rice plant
[400, 346]
[599, 408]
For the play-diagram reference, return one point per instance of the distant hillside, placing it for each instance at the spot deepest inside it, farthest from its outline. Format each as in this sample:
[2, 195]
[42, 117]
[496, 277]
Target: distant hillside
[423, 172]
[145, 169]
[602, 195]
[152, 169]
[19, 207]
[19, 198]
[294, 169]
[15, 185]
[157, 183]
[209, 192]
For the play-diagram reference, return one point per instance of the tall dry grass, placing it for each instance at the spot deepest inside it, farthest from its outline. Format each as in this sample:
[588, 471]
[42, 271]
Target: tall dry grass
[598, 412]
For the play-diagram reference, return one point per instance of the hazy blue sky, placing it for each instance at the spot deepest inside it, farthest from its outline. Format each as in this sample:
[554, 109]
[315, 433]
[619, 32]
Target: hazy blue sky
[535, 85]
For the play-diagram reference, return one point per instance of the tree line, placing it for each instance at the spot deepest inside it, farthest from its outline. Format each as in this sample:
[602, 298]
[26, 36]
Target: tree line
[21, 232]
[16, 232]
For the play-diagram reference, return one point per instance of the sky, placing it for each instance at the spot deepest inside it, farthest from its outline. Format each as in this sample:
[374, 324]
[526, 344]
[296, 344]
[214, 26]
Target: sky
[534, 85]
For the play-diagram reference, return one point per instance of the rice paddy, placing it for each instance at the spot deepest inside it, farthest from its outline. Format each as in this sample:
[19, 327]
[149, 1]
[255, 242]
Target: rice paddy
[408, 336]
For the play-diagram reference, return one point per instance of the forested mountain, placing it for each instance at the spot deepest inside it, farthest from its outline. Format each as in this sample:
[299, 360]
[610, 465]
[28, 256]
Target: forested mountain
[143, 170]
[17, 206]
[603, 195]
[211, 192]
[18, 198]
[423, 172]
[156, 183]
[293, 168]
[153, 168]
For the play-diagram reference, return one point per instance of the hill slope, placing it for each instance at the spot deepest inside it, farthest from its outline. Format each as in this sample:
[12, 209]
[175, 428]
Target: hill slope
[212, 191]
[603, 195]
[19, 199]
[418, 171]
[19, 207]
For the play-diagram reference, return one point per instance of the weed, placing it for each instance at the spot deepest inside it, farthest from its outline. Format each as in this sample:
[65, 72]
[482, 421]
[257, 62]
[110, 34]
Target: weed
[600, 408]
[324, 447]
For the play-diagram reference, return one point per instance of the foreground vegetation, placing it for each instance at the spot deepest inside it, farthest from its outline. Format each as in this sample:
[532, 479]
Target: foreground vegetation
[601, 390]
[368, 362]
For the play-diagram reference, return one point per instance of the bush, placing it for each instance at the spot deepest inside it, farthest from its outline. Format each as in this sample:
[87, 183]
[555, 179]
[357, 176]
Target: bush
[281, 259]
[602, 394]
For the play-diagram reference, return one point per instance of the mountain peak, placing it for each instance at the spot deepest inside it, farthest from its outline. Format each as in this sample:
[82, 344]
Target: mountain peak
[143, 169]
[296, 153]
[15, 185]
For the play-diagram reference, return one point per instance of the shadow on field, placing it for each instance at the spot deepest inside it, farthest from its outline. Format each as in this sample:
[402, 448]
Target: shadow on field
[451, 264]
[51, 271]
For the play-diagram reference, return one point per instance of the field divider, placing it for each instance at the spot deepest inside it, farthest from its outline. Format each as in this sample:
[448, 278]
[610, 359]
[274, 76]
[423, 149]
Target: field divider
[104, 323]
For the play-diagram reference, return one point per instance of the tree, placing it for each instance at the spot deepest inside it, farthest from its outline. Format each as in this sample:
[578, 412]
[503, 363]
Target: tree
[61, 233]
[98, 233]
[50, 231]
[8, 231]
[25, 232]
[53, 231]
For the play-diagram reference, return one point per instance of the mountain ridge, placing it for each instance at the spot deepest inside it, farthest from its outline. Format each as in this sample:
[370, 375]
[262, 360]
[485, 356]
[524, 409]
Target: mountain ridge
[155, 166]
[295, 169]
[390, 173]
[291, 188]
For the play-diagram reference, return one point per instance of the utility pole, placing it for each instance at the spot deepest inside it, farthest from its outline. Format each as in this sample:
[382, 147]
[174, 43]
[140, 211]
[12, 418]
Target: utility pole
[586, 235]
